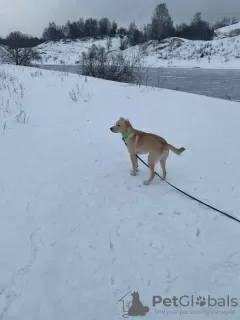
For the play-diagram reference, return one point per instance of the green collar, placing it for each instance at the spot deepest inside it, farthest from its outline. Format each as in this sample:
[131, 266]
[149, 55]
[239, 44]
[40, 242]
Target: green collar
[127, 135]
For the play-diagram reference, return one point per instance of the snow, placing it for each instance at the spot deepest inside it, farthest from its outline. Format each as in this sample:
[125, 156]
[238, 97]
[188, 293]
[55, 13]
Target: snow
[78, 232]
[228, 29]
[222, 52]
[69, 52]
[177, 52]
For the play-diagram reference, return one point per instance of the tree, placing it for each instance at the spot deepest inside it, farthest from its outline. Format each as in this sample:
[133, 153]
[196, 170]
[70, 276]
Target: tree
[81, 27]
[181, 27]
[200, 29]
[53, 32]
[91, 27]
[197, 30]
[123, 44]
[109, 44]
[147, 32]
[73, 30]
[2, 41]
[135, 35]
[18, 39]
[113, 29]
[162, 24]
[234, 20]
[226, 21]
[104, 26]
[15, 38]
[122, 32]
[131, 29]
[20, 56]
[197, 18]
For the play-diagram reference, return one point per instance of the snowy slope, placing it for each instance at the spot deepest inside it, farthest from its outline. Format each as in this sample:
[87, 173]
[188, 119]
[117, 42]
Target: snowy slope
[228, 30]
[219, 53]
[222, 52]
[78, 232]
[69, 52]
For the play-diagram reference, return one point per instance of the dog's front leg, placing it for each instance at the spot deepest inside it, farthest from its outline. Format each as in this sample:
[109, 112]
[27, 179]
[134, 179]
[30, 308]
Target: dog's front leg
[134, 164]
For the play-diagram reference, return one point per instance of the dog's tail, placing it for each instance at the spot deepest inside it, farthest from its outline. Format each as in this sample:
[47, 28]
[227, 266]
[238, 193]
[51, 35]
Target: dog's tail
[175, 150]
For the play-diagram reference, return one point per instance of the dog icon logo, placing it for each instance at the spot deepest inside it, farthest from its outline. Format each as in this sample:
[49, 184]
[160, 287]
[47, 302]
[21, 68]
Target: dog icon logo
[132, 305]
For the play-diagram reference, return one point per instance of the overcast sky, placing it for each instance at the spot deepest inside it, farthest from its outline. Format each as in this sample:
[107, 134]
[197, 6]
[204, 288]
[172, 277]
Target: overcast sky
[31, 16]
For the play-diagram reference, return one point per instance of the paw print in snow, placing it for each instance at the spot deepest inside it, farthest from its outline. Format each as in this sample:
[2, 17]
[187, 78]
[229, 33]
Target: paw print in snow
[201, 301]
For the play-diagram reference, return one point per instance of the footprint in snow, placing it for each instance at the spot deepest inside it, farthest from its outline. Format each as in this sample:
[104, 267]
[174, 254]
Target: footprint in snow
[198, 232]
[177, 213]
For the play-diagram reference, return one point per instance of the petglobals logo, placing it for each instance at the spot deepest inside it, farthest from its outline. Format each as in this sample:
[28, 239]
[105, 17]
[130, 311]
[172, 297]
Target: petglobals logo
[195, 301]
[132, 306]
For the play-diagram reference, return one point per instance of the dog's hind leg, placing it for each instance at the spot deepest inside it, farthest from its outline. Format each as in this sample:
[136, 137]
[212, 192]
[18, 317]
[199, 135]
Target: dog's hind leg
[163, 165]
[152, 160]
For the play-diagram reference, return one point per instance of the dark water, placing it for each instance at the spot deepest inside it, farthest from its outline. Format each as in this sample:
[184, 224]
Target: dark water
[220, 83]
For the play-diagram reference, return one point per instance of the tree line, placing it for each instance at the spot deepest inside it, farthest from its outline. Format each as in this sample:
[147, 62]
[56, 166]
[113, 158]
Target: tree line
[161, 26]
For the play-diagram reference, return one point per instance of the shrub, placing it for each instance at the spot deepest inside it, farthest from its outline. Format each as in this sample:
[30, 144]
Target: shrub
[100, 63]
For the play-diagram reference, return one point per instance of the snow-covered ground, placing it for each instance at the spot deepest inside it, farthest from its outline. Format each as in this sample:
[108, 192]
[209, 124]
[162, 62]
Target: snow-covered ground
[228, 30]
[69, 52]
[78, 232]
[222, 52]
[176, 52]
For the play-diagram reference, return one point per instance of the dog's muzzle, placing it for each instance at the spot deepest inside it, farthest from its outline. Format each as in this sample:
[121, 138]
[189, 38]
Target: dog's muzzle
[111, 129]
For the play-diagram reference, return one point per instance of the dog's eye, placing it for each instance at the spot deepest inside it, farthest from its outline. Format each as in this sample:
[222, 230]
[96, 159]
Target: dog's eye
[118, 125]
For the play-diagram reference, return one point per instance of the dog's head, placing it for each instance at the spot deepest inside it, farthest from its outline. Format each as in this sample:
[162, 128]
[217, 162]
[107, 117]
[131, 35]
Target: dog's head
[135, 295]
[121, 126]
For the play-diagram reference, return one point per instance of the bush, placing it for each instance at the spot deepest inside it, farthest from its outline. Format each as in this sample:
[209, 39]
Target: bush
[123, 44]
[100, 63]
[234, 33]
[20, 56]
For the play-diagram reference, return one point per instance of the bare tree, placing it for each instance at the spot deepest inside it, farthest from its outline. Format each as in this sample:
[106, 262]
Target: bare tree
[20, 56]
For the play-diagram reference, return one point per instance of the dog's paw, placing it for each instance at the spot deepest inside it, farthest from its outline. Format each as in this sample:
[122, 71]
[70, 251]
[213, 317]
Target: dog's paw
[146, 182]
[133, 173]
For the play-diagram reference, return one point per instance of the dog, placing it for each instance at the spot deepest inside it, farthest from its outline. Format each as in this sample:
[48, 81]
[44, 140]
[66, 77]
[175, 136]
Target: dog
[139, 142]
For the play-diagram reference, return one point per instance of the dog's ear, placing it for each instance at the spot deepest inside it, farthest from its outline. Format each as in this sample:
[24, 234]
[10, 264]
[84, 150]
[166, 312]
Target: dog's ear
[127, 122]
[122, 118]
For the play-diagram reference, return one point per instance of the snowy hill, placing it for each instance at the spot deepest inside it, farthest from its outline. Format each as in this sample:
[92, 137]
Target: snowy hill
[69, 52]
[78, 232]
[222, 52]
[172, 52]
[232, 30]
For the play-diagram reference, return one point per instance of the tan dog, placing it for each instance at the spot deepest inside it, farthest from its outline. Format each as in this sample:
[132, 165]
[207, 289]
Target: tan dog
[139, 142]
